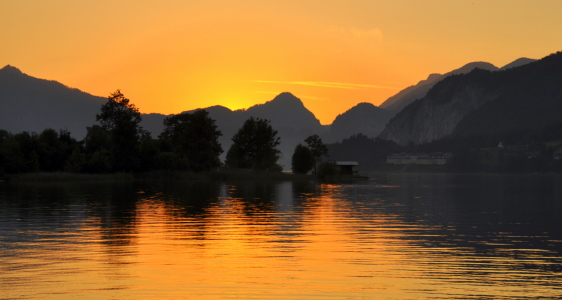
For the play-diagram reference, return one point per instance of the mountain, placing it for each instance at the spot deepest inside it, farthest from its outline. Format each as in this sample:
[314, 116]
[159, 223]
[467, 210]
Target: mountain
[32, 104]
[286, 111]
[518, 99]
[288, 115]
[364, 118]
[370, 120]
[518, 62]
[528, 99]
[408, 95]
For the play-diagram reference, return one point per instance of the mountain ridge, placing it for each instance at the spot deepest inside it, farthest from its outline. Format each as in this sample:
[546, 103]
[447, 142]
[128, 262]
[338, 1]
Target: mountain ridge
[484, 102]
[397, 102]
[364, 118]
[74, 110]
[21, 111]
[32, 104]
[286, 113]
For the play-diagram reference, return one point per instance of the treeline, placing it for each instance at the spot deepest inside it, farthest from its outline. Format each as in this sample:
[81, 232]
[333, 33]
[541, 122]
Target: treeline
[370, 153]
[522, 151]
[189, 142]
[118, 143]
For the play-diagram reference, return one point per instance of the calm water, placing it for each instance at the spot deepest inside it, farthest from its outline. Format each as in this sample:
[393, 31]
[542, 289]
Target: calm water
[398, 236]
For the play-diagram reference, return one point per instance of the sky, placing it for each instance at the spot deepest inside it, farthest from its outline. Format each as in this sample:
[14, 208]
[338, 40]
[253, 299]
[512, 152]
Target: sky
[171, 56]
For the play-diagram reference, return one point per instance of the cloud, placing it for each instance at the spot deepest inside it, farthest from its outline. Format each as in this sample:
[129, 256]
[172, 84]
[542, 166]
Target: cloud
[300, 96]
[373, 35]
[338, 85]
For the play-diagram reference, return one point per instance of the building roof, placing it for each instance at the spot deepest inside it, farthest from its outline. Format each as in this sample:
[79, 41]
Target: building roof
[347, 163]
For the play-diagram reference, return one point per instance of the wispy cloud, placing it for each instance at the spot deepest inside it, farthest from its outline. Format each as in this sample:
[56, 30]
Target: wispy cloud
[373, 35]
[300, 96]
[338, 85]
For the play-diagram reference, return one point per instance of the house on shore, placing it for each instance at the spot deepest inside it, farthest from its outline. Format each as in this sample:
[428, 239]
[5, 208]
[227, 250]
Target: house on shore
[557, 154]
[436, 158]
[347, 167]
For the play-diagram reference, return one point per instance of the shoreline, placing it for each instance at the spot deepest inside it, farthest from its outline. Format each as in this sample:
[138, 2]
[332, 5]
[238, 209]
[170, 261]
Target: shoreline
[63, 177]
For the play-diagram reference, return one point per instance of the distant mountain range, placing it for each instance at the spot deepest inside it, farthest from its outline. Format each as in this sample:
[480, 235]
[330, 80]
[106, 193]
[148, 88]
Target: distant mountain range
[287, 114]
[32, 104]
[408, 95]
[522, 97]
[369, 120]
[364, 118]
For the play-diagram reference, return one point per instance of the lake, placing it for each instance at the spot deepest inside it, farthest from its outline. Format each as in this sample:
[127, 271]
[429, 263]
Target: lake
[394, 236]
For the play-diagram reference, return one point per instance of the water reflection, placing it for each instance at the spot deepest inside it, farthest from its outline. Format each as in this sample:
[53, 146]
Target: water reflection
[399, 236]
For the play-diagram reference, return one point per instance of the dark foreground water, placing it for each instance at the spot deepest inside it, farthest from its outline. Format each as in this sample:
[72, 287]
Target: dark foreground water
[397, 236]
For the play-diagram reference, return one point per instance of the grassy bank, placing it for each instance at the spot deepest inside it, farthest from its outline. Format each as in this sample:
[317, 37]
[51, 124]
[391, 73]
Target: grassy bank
[156, 175]
[221, 175]
[69, 177]
[411, 168]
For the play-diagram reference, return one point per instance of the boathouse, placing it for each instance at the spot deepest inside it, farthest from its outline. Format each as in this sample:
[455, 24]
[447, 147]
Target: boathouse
[347, 167]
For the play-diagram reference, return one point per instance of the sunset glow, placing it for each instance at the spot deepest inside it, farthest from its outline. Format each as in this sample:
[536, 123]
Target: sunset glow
[172, 56]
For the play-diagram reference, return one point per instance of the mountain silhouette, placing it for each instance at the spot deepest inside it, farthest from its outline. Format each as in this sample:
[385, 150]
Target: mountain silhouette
[523, 99]
[408, 95]
[371, 121]
[364, 118]
[32, 104]
[288, 115]
[518, 62]
[286, 110]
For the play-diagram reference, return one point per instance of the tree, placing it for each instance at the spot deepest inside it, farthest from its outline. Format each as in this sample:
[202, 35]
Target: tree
[303, 160]
[194, 136]
[28, 145]
[317, 148]
[12, 156]
[255, 146]
[121, 119]
[54, 149]
[328, 170]
[97, 139]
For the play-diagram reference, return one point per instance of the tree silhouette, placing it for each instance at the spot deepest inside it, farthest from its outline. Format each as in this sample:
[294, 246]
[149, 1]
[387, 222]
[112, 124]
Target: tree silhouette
[317, 148]
[303, 160]
[194, 136]
[121, 119]
[255, 146]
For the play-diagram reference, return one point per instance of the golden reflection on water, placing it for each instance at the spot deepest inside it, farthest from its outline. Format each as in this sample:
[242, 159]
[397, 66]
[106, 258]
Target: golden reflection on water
[267, 242]
[257, 253]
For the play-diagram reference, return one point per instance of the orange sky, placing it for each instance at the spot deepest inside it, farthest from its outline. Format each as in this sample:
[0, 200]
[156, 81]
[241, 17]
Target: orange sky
[171, 56]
